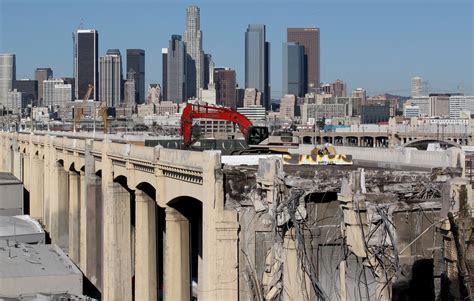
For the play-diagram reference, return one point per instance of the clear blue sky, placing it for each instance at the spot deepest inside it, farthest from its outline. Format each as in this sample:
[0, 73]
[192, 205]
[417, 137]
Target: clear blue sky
[378, 45]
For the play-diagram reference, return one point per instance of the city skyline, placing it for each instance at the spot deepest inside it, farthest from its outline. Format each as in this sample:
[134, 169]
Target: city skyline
[355, 54]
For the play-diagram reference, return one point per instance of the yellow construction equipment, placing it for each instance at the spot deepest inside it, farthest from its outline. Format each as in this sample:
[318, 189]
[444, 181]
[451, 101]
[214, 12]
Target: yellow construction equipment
[103, 111]
[321, 155]
[80, 111]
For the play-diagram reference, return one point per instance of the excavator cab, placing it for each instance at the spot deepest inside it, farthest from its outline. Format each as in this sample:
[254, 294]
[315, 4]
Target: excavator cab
[256, 134]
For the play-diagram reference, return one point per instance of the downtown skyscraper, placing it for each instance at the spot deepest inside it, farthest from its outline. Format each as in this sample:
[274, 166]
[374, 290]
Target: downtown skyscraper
[111, 78]
[7, 75]
[195, 54]
[309, 38]
[176, 70]
[42, 74]
[136, 65]
[86, 62]
[257, 58]
[293, 69]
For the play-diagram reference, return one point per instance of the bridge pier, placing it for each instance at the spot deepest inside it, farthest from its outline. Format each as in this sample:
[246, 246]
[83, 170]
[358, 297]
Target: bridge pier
[36, 188]
[74, 216]
[145, 249]
[177, 256]
[117, 261]
[58, 207]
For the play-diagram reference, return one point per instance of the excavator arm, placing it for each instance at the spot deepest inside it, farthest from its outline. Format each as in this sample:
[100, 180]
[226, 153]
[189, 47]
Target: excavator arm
[194, 111]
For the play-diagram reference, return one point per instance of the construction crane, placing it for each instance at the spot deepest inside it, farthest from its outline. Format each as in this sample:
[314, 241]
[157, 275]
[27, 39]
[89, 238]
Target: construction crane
[103, 112]
[256, 137]
[80, 111]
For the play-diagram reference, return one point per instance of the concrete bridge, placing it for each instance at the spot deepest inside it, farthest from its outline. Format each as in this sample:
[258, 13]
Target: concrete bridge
[138, 221]
[378, 139]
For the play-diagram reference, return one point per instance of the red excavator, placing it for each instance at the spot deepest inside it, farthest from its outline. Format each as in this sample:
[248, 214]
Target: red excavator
[256, 137]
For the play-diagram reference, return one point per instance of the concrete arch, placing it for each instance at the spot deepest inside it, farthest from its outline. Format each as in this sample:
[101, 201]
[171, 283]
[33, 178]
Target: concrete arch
[184, 219]
[307, 140]
[423, 143]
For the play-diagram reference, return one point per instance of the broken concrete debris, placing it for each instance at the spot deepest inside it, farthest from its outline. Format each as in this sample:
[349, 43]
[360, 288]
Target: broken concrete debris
[348, 233]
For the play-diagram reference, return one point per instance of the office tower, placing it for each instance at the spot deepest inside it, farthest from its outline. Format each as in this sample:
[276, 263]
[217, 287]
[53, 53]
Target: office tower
[293, 69]
[416, 86]
[136, 64]
[164, 73]
[7, 75]
[87, 63]
[129, 95]
[225, 82]
[309, 38]
[288, 106]
[111, 78]
[457, 104]
[62, 94]
[70, 81]
[195, 54]
[338, 88]
[15, 101]
[252, 97]
[360, 93]
[239, 96]
[257, 67]
[176, 67]
[56, 93]
[28, 87]
[153, 94]
[42, 74]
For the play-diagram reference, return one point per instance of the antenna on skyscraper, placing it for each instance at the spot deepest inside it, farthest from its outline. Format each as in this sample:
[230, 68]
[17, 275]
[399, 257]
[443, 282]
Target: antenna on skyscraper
[81, 24]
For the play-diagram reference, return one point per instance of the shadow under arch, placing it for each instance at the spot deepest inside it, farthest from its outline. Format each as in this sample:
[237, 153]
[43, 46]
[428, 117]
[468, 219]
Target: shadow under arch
[192, 210]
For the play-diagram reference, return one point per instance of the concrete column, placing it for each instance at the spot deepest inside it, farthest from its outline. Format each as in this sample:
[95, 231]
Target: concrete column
[117, 267]
[36, 189]
[177, 257]
[16, 164]
[145, 250]
[74, 216]
[51, 203]
[83, 223]
[63, 209]
[296, 283]
[90, 222]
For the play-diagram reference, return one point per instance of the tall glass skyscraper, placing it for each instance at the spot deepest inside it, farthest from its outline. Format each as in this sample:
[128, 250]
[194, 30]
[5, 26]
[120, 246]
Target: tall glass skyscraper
[309, 38]
[136, 64]
[195, 57]
[293, 69]
[176, 68]
[257, 56]
[111, 78]
[87, 62]
[7, 75]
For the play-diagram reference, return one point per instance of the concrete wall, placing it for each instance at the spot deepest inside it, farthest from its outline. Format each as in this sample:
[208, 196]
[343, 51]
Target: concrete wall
[452, 157]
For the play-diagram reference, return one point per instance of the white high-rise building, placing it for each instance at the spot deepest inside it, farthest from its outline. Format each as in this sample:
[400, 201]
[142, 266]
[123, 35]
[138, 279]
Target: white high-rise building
[410, 111]
[195, 59]
[14, 101]
[7, 75]
[62, 94]
[110, 74]
[360, 93]
[48, 91]
[56, 92]
[424, 105]
[416, 86]
[459, 103]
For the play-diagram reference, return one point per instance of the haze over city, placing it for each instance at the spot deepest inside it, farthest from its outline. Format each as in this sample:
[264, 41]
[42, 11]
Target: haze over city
[377, 45]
